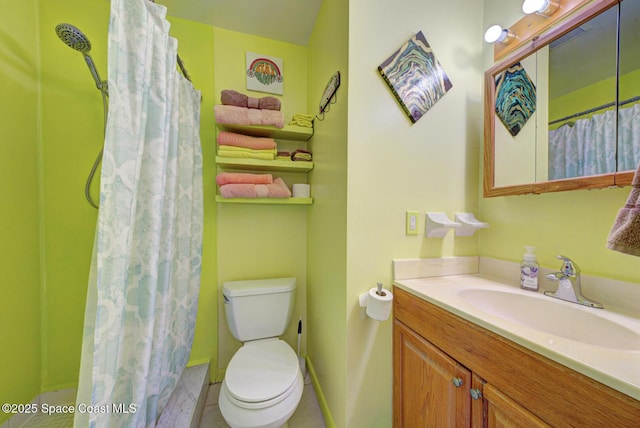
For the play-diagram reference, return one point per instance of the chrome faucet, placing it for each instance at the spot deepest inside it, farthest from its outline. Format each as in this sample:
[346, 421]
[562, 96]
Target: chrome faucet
[569, 288]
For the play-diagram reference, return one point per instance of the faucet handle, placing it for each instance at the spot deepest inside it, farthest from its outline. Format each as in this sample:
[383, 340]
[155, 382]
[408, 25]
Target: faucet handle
[569, 267]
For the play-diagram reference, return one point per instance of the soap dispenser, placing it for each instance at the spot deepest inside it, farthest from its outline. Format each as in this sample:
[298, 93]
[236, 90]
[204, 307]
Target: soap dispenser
[529, 270]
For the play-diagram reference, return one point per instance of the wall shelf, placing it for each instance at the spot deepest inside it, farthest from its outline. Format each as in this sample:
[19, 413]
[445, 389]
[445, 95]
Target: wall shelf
[264, 165]
[265, 201]
[289, 132]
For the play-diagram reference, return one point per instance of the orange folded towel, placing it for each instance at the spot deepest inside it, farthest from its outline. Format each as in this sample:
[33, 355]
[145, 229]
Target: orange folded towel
[242, 178]
[226, 138]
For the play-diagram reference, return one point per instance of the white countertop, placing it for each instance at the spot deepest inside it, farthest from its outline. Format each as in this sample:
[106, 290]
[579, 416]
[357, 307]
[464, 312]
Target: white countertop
[616, 368]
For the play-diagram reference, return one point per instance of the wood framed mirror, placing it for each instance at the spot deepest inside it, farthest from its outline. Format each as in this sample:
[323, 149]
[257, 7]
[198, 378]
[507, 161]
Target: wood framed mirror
[554, 117]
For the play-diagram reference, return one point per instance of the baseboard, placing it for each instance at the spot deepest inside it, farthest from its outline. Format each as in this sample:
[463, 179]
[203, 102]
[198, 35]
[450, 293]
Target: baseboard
[322, 402]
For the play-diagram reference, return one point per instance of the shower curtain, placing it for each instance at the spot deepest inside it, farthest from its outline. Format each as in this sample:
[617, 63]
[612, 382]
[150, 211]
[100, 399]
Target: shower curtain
[588, 147]
[629, 135]
[145, 274]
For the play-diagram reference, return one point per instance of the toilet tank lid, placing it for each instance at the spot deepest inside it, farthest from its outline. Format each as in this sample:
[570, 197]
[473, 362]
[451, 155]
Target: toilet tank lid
[258, 286]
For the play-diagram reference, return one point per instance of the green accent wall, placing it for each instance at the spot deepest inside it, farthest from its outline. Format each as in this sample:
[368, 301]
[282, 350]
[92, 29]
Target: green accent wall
[327, 218]
[51, 134]
[19, 218]
[72, 135]
[260, 241]
[599, 93]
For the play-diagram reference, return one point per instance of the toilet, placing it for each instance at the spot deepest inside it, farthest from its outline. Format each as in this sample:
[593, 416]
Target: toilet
[263, 382]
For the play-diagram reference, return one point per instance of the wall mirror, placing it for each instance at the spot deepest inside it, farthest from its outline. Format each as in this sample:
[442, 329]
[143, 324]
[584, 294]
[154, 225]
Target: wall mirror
[563, 112]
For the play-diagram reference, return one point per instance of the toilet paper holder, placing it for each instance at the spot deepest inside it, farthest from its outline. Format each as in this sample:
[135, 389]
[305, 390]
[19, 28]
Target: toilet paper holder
[377, 302]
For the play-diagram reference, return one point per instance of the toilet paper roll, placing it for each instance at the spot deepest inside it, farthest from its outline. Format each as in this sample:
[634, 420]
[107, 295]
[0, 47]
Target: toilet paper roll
[379, 306]
[300, 190]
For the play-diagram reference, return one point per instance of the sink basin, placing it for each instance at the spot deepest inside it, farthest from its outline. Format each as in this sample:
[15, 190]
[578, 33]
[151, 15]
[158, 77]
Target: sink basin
[553, 317]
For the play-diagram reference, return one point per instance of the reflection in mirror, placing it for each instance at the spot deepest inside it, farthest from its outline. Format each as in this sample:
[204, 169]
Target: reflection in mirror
[582, 100]
[569, 141]
[629, 109]
[516, 94]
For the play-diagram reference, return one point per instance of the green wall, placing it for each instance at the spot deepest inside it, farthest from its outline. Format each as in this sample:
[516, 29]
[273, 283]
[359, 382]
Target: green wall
[599, 93]
[260, 241]
[72, 136]
[327, 221]
[52, 131]
[19, 218]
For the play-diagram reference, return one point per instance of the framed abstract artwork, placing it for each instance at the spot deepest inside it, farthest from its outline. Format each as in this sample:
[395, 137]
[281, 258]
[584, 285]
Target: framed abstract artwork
[415, 77]
[264, 73]
[515, 98]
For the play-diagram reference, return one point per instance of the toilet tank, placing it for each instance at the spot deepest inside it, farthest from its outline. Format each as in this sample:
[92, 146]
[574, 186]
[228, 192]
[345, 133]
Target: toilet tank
[257, 309]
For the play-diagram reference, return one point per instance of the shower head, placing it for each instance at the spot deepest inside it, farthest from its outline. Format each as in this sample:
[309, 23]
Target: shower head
[75, 39]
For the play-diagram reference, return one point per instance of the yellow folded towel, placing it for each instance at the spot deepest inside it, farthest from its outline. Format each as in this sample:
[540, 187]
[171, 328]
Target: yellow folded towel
[246, 150]
[300, 119]
[242, 155]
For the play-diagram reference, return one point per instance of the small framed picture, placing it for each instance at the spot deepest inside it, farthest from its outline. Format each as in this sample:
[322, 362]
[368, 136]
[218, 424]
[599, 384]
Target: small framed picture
[264, 73]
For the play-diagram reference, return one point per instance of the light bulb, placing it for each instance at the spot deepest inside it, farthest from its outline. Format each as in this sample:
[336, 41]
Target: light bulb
[493, 34]
[496, 33]
[545, 8]
[532, 6]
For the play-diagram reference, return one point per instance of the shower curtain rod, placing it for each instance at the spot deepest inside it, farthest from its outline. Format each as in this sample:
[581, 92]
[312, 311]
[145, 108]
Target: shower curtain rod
[592, 110]
[180, 63]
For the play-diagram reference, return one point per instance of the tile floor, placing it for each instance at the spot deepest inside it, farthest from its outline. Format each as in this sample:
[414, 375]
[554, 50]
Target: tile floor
[307, 415]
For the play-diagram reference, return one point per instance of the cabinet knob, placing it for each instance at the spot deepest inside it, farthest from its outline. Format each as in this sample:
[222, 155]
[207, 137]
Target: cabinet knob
[476, 394]
[457, 382]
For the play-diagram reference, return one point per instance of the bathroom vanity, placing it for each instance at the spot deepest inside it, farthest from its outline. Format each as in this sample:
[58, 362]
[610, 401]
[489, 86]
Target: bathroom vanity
[451, 371]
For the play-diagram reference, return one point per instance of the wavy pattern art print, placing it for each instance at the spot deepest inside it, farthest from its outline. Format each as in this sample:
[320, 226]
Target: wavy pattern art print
[415, 77]
[515, 98]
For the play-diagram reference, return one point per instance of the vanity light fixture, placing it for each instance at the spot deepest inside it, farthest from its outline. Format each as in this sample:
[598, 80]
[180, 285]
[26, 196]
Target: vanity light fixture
[545, 8]
[496, 33]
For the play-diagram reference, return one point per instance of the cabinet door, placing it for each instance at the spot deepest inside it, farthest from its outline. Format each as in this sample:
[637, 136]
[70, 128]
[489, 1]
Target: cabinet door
[503, 412]
[430, 389]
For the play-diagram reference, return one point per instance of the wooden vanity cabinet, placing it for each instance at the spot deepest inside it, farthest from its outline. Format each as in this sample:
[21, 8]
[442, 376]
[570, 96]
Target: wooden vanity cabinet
[432, 389]
[519, 388]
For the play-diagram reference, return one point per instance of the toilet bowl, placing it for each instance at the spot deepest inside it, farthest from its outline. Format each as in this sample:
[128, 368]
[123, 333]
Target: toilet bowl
[263, 382]
[262, 386]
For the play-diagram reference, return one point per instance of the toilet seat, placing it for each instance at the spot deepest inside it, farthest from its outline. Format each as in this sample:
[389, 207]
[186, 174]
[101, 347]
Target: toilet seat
[261, 374]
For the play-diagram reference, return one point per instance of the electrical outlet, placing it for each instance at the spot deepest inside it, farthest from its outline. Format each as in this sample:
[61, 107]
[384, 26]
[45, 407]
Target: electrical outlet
[412, 223]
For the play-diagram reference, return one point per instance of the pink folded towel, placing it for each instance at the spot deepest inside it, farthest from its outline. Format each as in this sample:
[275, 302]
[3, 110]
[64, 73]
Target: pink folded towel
[238, 190]
[242, 178]
[234, 98]
[248, 116]
[226, 138]
[277, 189]
[625, 232]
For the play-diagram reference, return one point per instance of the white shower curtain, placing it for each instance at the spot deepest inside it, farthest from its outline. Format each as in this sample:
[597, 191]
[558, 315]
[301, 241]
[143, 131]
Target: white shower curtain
[145, 274]
[589, 146]
[629, 136]
[586, 148]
